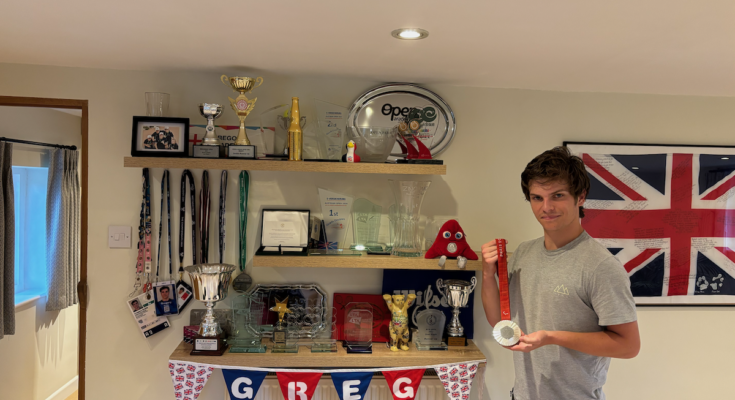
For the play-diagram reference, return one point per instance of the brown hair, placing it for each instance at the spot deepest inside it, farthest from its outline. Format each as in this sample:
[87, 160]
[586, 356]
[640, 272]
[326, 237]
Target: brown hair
[557, 164]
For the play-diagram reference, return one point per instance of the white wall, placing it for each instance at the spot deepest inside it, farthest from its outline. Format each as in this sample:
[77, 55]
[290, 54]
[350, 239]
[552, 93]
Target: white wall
[498, 132]
[42, 355]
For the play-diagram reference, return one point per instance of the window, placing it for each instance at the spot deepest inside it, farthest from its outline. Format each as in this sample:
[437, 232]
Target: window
[30, 186]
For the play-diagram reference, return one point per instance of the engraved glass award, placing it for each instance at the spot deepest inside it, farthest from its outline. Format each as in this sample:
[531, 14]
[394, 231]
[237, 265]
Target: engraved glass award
[358, 328]
[430, 330]
[323, 339]
[247, 332]
[366, 225]
[336, 211]
[332, 122]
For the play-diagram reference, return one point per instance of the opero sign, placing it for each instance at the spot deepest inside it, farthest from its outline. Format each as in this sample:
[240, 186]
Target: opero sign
[427, 114]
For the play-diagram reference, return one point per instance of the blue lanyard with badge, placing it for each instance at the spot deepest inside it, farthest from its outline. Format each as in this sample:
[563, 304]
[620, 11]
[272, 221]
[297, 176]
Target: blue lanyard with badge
[163, 291]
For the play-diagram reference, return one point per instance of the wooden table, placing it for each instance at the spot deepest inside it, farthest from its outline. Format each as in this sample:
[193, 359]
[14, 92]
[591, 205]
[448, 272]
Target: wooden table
[382, 357]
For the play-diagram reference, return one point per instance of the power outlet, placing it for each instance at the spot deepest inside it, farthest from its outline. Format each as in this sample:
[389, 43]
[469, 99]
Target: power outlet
[118, 237]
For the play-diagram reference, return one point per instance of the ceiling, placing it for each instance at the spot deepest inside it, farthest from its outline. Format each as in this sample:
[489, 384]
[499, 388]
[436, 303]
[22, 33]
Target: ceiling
[653, 46]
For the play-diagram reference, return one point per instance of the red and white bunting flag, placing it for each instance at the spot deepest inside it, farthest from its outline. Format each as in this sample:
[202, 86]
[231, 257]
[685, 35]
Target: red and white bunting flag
[189, 379]
[404, 384]
[457, 379]
[298, 385]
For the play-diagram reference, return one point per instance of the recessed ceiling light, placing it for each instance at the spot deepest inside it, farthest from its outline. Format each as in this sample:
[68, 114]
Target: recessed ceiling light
[409, 33]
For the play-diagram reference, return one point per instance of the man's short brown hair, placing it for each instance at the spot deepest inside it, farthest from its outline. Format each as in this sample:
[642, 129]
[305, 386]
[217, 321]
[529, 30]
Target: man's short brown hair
[557, 165]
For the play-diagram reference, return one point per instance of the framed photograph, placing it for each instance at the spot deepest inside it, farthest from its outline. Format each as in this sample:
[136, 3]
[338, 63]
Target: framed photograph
[667, 213]
[160, 137]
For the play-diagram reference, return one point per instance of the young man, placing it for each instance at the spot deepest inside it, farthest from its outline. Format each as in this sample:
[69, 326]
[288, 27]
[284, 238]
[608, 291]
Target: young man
[165, 304]
[568, 294]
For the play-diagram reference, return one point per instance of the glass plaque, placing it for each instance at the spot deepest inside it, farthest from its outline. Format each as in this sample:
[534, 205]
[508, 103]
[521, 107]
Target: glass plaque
[247, 331]
[274, 124]
[336, 210]
[358, 328]
[332, 122]
[430, 330]
[366, 225]
[323, 339]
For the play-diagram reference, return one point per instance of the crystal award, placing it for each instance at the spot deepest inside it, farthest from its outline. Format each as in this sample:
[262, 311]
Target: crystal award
[323, 338]
[366, 225]
[247, 331]
[358, 328]
[430, 330]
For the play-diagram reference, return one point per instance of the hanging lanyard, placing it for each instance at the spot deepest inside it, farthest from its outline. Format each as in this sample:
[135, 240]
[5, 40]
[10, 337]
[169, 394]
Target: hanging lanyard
[143, 264]
[204, 208]
[244, 188]
[222, 196]
[182, 220]
[506, 332]
[165, 192]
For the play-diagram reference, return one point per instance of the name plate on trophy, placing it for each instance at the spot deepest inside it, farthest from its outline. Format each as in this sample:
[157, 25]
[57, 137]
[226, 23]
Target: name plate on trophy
[202, 151]
[241, 151]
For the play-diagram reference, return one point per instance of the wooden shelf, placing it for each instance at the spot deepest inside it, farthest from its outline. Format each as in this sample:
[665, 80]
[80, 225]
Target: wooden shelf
[293, 166]
[382, 357]
[363, 261]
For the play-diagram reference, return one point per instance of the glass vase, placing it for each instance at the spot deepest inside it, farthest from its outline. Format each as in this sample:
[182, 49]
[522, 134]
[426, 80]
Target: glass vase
[409, 196]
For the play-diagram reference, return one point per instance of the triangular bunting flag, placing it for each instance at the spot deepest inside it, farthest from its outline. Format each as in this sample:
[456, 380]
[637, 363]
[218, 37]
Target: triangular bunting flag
[351, 385]
[189, 379]
[298, 385]
[243, 384]
[457, 379]
[404, 384]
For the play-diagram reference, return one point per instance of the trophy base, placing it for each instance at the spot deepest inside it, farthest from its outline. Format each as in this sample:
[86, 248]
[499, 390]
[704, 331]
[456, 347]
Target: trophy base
[286, 348]
[457, 341]
[205, 151]
[242, 151]
[209, 346]
[421, 161]
[324, 346]
[430, 346]
[246, 346]
[358, 347]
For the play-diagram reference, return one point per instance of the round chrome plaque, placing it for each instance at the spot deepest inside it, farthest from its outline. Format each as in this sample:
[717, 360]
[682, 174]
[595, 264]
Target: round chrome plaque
[507, 333]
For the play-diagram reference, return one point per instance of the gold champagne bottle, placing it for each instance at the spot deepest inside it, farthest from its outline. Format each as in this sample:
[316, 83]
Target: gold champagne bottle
[295, 136]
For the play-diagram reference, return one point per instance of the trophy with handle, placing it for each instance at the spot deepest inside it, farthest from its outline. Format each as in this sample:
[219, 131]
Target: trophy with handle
[457, 293]
[242, 107]
[210, 147]
[210, 283]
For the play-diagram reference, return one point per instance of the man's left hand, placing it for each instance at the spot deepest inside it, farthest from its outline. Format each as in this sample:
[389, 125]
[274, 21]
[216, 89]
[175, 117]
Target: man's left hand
[532, 341]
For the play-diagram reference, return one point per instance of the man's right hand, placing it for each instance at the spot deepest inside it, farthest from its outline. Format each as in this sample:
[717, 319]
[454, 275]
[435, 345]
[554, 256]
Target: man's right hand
[489, 259]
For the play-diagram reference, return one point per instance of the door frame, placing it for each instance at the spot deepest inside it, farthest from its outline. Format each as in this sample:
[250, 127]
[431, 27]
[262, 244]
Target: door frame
[82, 285]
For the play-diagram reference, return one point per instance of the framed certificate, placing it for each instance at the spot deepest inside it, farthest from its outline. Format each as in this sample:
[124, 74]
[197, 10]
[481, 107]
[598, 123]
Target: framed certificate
[284, 232]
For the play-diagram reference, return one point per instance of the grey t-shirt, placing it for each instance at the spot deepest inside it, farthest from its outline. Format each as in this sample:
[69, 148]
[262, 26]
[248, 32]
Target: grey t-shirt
[580, 287]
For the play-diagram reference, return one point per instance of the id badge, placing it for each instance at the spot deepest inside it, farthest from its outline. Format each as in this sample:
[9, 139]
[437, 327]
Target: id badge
[165, 297]
[142, 308]
[183, 294]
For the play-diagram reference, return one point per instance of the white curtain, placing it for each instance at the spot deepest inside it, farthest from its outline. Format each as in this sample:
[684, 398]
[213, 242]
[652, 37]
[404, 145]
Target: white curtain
[63, 204]
[7, 242]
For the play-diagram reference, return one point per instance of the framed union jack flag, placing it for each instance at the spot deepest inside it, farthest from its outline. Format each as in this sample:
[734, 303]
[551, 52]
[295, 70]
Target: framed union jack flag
[667, 213]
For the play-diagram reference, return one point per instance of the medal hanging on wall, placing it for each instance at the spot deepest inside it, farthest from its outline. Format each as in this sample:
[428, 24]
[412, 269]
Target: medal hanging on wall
[143, 263]
[183, 290]
[242, 281]
[506, 332]
[204, 209]
[163, 291]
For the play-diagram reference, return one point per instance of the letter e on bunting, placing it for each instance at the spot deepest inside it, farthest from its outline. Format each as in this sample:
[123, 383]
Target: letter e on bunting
[243, 384]
[404, 384]
[457, 379]
[351, 385]
[298, 385]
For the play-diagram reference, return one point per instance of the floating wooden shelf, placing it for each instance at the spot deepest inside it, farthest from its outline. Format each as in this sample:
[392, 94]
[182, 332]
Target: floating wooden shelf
[293, 166]
[382, 357]
[363, 261]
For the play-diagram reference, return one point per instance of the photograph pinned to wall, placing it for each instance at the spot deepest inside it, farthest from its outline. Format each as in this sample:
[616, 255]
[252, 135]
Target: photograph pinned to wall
[665, 212]
[160, 137]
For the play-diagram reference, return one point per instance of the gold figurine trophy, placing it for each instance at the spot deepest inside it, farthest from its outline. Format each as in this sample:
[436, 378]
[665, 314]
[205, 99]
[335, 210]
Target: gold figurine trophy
[242, 107]
[279, 331]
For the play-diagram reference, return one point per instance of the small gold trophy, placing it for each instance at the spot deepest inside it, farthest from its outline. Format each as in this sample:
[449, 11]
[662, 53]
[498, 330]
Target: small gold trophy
[242, 107]
[279, 331]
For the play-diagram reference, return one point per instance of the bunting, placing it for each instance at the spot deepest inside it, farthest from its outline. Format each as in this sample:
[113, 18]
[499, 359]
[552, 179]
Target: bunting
[457, 379]
[404, 384]
[189, 379]
[298, 385]
[243, 384]
[352, 385]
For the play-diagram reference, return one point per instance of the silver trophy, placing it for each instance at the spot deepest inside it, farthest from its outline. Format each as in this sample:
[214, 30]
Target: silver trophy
[211, 112]
[457, 293]
[210, 283]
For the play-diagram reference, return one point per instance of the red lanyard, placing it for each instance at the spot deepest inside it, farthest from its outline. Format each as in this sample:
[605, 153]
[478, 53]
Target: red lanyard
[503, 280]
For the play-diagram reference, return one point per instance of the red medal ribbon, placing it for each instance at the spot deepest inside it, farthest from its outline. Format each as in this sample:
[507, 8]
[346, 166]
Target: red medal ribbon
[503, 280]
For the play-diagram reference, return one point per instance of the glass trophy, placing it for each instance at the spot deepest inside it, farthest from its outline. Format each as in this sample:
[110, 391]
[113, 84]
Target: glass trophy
[409, 196]
[392, 221]
[323, 338]
[336, 211]
[274, 124]
[430, 330]
[366, 225]
[332, 123]
[247, 332]
[358, 328]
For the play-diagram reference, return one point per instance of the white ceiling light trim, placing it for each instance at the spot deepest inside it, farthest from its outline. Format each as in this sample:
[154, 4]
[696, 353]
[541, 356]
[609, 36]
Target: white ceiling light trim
[410, 33]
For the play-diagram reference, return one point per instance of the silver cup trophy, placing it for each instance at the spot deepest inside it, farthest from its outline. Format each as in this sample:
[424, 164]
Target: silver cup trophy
[211, 112]
[210, 283]
[457, 293]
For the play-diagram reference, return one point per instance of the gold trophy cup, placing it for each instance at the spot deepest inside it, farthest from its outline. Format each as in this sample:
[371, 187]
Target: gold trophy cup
[242, 107]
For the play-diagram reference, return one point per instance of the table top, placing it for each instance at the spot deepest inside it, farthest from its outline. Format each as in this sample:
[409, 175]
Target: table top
[382, 357]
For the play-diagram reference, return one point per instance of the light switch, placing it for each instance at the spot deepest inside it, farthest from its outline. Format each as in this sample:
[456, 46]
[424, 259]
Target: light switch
[118, 237]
